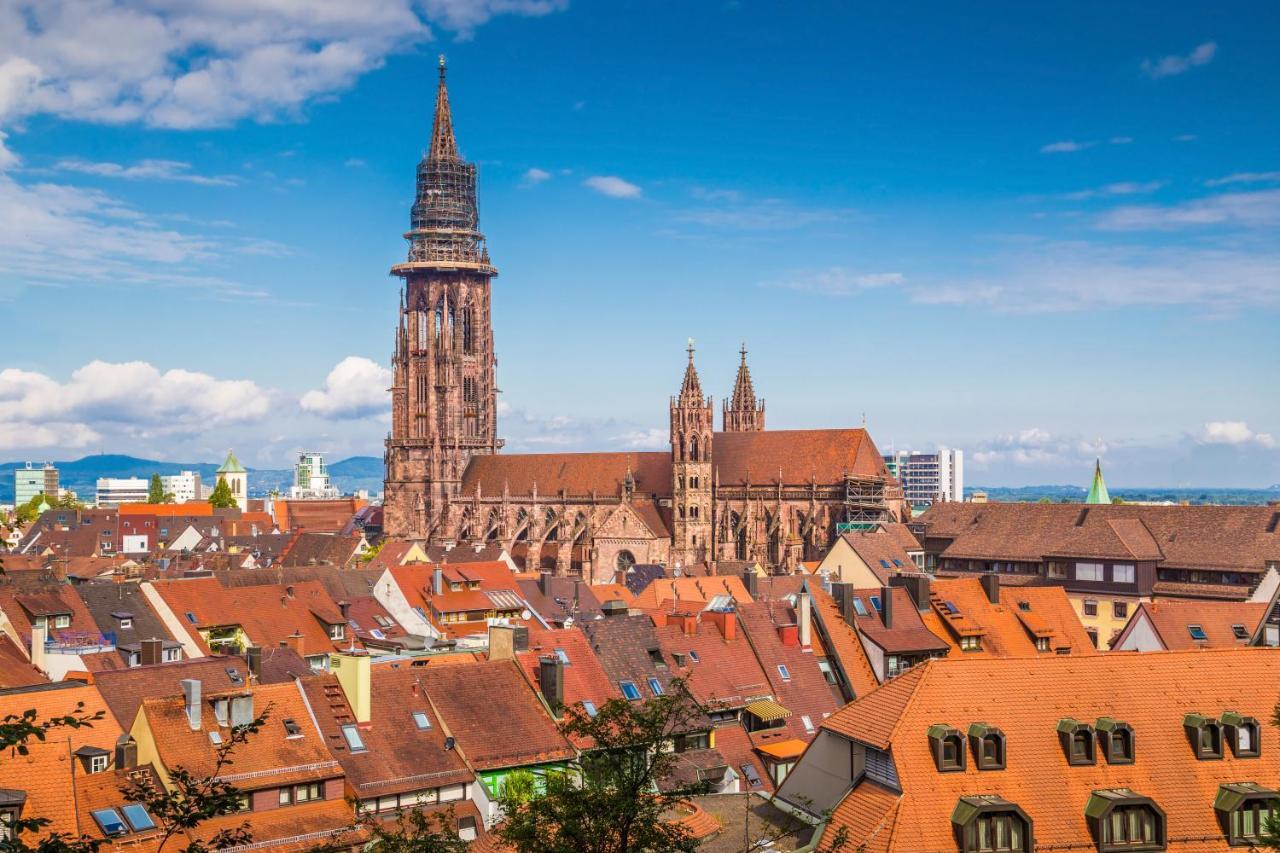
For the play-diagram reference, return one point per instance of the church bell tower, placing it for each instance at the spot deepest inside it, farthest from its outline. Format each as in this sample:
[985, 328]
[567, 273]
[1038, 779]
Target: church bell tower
[692, 428]
[443, 397]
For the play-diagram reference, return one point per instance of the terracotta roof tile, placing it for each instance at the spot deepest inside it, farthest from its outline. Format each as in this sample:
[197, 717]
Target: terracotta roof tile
[841, 642]
[801, 456]
[1005, 630]
[1171, 618]
[577, 474]
[727, 673]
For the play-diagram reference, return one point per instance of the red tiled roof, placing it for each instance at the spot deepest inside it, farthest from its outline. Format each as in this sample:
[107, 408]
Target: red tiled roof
[1005, 628]
[575, 473]
[840, 642]
[726, 672]
[1170, 617]
[800, 456]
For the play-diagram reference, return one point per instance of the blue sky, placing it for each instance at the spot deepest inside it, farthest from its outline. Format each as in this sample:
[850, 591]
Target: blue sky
[1042, 233]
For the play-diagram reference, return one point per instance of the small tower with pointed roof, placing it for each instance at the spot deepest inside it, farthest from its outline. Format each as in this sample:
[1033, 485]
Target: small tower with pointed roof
[692, 428]
[1098, 489]
[237, 479]
[742, 412]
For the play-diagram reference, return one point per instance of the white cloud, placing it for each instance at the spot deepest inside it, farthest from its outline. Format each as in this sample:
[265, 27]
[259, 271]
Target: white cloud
[1117, 189]
[1066, 146]
[146, 170]
[1244, 178]
[1234, 433]
[1247, 209]
[125, 400]
[1174, 64]
[1034, 446]
[355, 388]
[8, 159]
[1185, 137]
[1060, 277]
[612, 186]
[1120, 140]
[837, 281]
[208, 63]
[354, 163]
[535, 176]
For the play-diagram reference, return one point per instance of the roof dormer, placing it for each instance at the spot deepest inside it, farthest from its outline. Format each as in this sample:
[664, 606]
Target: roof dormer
[1116, 739]
[1077, 742]
[988, 745]
[1243, 733]
[947, 746]
[1205, 735]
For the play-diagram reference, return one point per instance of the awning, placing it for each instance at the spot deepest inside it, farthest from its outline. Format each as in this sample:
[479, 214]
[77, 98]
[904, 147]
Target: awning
[783, 749]
[767, 710]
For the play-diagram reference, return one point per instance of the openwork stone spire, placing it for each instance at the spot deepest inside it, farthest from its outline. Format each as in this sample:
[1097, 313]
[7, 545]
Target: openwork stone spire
[443, 144]
[691, 389]
[741, 411]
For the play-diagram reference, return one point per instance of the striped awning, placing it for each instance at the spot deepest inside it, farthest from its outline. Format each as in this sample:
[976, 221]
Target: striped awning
[767, 710]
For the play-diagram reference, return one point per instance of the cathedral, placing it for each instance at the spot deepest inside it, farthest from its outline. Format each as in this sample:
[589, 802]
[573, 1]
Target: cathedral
[742, 493]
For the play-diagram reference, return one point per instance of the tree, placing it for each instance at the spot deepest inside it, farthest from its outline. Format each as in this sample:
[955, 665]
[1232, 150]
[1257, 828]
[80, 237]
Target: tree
[222, 497]
[617, 799]
[156, 493]
[415, 832]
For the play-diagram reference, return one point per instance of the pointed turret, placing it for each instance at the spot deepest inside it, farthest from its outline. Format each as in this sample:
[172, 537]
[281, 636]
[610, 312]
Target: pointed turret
[231, 465]
[443, 145]
[742, 413]
[1098, 489]
[691, 389]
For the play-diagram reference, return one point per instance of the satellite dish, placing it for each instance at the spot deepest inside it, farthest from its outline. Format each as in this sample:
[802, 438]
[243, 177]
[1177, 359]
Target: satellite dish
[525, 614]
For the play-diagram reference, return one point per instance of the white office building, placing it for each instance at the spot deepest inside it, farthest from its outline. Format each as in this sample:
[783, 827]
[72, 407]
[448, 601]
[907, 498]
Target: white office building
[311, 478]
[113, 491]
[928, 478]
[185, 487]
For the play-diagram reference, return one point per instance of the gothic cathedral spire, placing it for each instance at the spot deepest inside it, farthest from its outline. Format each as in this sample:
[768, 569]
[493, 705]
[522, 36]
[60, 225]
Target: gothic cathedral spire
[443, 397]
[692, 428]
[741, 411]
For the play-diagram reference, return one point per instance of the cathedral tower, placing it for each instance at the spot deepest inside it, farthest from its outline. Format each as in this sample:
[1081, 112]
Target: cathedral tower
[692, 426]
[741, 412]
[443, 398]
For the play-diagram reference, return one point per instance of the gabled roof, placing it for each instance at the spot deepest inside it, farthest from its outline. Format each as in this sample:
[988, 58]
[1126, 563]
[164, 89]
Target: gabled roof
[800, 456]
[124, 690]
[15, 668]
[664, 592]
[584, 677]
[843, 648]
[107, 602]
[1172, 618]
[628, 649]
[882, 552]
[907, 633]
[326, 516]
[576, 474]
[1007, 629]
[494, 715]
[727, 673]
[231, 465]
[311, 549]
[1152, 693]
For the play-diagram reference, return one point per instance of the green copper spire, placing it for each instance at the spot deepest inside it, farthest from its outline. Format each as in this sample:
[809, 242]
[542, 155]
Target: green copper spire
[233, 466]
[1098, 490]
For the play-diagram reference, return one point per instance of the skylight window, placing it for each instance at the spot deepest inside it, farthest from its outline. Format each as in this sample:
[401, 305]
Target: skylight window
[1024, 606]
[138, 818]
[292, 729]
[589, 707]
[420, 720]
[859, 608]
[352, 735]
[377, 635]
[110, 822]
[1197, 633]
[808, 723]
[562, 656]
[784, 672]
[215, 737]
[951, 608]
[875, 602]
[898, 563]
[629, 690]
[655, 686]
[191, 617]
[693, 656]
[1240, 631]
[884, 564]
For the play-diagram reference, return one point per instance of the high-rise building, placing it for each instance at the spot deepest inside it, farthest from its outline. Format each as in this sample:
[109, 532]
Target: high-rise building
[31, 480]
[311, 478]
[113, 491]
[443, 398]
[184, 487]
[928, 478]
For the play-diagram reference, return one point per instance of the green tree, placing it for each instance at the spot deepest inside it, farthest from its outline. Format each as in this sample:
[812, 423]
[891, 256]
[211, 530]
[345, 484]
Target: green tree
[156, 493]
[222, 497]
[617, 799]
[416, 832]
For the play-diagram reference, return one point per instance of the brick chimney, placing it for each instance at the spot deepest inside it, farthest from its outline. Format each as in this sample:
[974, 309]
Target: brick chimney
[917, 586]
[727, 621]
[502, 642]
[253, 659]
[886, 606]
[991, 586]
[689, 623]
[551, 681]
[296, 642]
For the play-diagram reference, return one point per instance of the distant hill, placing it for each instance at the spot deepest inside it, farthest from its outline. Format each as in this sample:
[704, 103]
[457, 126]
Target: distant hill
[1075, 494]
[80, 475]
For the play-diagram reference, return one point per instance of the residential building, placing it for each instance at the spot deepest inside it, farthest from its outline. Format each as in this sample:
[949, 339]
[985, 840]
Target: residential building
[981, 617]
[890, 627]
[184, 486]
[311, 478]
[1109, 557]
[929, 478]
[31, 480]
[122, 611]
[1173, 623]
[1112, 753]
[315, 516]
[113, 491]
[867, 559]
[236, 476]
[589, 514]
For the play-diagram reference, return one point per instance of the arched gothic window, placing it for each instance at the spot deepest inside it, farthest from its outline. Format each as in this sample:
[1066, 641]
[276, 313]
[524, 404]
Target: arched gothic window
[423, 325]
[468, 339]
[439, 318]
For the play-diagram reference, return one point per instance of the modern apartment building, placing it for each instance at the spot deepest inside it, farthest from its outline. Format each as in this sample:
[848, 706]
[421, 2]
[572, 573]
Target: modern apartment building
[311, 478]
[928, 478]
[184, 487]
[32, 479]
[113, 491]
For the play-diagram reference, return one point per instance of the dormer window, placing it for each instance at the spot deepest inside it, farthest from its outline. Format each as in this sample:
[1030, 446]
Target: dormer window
[971, 643]
[1124, 821]
[1243, 733]
[94, 759]
[1244, 810]
[1116, 738]
[947, 745]
[987, 823]
[337, 631]
[988, 744]
[1205, 735]
[1077, 742]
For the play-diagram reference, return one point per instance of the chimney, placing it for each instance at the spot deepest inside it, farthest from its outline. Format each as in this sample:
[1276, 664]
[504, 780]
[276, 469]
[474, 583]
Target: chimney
[288, 590]
[544, 581]
[521, 635]
[727, 620]
[354, 671]
[886, 606]
[916, 585]
[614, 607]
[991, 585]
[437, 581]
[749, 580]
[502, 642]
[804, 618]
[191, 690]
[689, 623]
[295, 642]
[39, 633]
[551, 681]
[126, 753]
[344, 607]
[843, 594]
[152, 651]
[253, 659]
